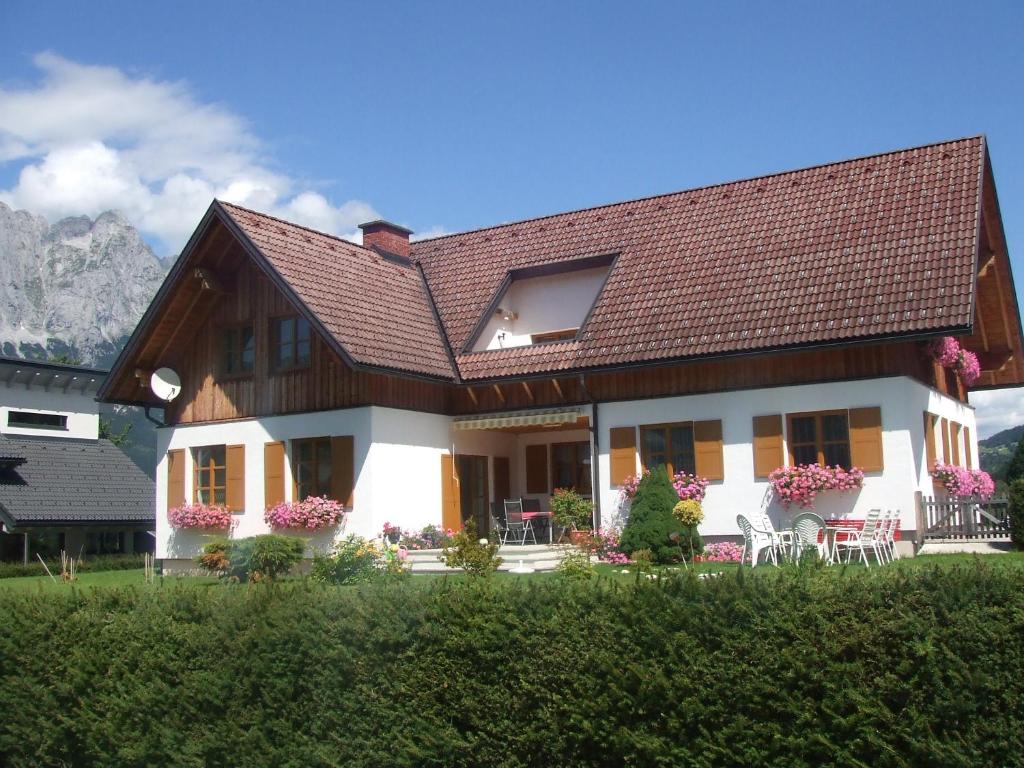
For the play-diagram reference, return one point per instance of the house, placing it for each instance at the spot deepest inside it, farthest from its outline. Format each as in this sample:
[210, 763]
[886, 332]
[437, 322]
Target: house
[727, 330]
[62, 486]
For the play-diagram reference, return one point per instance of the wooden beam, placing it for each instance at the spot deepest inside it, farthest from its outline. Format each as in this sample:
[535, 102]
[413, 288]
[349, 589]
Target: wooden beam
[994, 361]
[499, 393]
[529, 392]
[558, 389]
[472, 396]
[985, 264]
[177, 326]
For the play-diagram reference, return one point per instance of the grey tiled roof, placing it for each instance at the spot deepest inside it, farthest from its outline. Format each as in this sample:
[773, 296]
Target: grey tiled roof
[66, 481]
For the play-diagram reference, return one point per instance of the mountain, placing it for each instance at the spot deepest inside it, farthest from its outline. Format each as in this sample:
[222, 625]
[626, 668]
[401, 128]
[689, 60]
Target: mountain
[74, 289]
[995, 452]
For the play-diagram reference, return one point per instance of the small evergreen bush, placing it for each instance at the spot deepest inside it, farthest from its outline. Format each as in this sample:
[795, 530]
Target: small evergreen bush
[653, 525]
[253, 558]
[1016, 511]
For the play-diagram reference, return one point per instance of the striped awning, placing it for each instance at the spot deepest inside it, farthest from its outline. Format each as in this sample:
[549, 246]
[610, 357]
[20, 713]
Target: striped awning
[518, 419]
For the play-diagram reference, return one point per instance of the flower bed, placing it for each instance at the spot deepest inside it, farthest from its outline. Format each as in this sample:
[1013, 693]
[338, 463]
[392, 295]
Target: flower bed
[210, 517]
[314, 513]
[722, 552]
[430, 537]
[959, 481]
[802, 483]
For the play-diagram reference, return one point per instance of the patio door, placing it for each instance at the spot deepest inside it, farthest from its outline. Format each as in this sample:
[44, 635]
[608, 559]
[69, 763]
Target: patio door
[474, 497]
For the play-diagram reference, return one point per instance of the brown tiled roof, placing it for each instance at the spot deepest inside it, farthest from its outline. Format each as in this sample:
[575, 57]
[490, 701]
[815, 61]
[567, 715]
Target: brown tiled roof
[873, 247]
[375, 308]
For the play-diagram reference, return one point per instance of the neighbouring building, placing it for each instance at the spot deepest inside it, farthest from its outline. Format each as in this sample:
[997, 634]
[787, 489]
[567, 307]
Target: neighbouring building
[62, 486]
[727, 330]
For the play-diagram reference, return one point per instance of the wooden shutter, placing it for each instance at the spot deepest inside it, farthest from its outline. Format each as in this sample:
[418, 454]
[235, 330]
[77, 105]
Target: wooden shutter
[175, 478]
[273, 474]
[502, 479]
[944, 425]
[866, 438]
[235, 478]
[343, 470]
[451, 506]
[707, 449]
[931, 455]
[768, 455]
[967, 448]
[537, 469]
[954, 441]
[623, 454]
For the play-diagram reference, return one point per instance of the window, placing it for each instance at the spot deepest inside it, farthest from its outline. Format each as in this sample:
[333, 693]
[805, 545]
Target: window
[568, 334]
[104, 542]
[239, 350]
[36, 420]
[820, 438]
[289, 343]
[668, 444]
[311, 467]
[570, 466]
[210, 474]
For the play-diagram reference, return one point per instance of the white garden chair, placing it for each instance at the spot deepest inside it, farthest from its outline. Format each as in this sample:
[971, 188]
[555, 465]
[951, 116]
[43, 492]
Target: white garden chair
[755, 541]
[807, 528]
[860, 540]
[887, 534]
[783, 540]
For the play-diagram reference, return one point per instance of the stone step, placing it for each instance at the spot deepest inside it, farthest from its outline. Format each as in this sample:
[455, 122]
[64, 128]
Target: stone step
[540, 557]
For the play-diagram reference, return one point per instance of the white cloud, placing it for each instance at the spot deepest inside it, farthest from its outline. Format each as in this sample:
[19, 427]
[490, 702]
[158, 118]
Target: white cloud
[94, 138]
[997, 409]
[434, 231]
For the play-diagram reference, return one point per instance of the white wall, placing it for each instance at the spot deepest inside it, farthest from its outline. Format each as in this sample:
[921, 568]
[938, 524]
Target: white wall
[549, 303]
[82, 411]
[902, 400]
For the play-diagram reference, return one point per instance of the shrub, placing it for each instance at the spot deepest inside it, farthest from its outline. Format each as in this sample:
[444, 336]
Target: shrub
[253, 558]
[570, 510]
[477, 557]
[1016, 512]
[575, 564]
[652, 524]
[353, 561]
[883, 667]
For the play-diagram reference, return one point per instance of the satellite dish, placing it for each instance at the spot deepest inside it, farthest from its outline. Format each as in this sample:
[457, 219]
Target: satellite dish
[165, 384]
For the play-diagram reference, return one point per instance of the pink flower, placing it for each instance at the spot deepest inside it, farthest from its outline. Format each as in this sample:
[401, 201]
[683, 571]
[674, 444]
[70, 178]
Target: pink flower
[313, 513]
[969, 367]
[945, 351]
[211, 517]
[802, 483]
[631, 483]
[959, 481]
[690, 487]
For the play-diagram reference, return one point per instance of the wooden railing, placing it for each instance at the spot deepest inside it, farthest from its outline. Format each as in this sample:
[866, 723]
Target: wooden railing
[963, 518]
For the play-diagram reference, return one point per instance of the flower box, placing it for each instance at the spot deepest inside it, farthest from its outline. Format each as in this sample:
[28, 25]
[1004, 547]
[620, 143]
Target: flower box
[209, 517]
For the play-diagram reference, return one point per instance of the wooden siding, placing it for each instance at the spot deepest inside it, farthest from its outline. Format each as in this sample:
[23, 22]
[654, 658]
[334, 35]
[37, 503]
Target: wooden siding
[327, 383]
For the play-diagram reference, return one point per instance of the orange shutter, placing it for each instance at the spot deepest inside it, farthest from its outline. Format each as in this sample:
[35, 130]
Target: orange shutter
[451, 506]
[343, 475]
[954, 440]
[537, 469]
[768, 455]
[707, 449]
[866, 438]
[931, 454]
[967, 448]
[175, 478]
[944, 426]
[623, 454]
[273, 474]
[235, 478]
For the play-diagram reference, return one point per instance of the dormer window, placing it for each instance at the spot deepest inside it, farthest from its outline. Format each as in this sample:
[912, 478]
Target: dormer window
[289, 343]
[543, 304]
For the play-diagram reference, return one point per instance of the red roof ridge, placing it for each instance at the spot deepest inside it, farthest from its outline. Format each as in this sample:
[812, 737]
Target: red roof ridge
[702, 188]
[279, 220]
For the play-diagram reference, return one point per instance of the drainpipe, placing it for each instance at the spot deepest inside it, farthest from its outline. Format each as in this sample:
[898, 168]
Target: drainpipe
[25, 553]
[595, 474]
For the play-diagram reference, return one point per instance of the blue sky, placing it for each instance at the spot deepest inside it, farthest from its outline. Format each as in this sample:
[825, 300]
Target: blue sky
[446, 116]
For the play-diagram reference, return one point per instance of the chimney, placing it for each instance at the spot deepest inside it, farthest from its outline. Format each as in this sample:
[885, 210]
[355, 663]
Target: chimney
[387, 237]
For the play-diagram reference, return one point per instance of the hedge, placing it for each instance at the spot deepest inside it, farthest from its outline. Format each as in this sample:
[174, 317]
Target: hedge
[91, 563]
[803, 668]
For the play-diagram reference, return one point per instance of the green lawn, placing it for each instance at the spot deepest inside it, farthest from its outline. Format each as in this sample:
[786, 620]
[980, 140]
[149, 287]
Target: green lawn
[616, 573]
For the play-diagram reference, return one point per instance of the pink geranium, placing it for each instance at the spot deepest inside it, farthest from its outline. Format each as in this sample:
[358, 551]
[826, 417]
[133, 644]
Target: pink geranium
[969, 367]
[690, 486]
[722, 552]
[205, 516]
[802, 483]
[945, 350]
[960, 481]
[313, 513]
[631, 483]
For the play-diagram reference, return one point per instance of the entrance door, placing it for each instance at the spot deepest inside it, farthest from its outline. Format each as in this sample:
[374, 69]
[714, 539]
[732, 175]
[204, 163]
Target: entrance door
[473, 491]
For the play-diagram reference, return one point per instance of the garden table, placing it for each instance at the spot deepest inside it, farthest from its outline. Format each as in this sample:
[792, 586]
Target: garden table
[545, 516]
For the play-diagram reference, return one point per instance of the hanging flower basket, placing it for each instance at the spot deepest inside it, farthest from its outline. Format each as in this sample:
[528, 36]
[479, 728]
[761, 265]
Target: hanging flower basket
[690, 487]
[209, 517]
[947, 352]
[314, 513]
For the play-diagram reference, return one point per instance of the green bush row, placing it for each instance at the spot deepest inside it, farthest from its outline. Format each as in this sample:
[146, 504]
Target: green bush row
[801, 668]
[92, 563]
